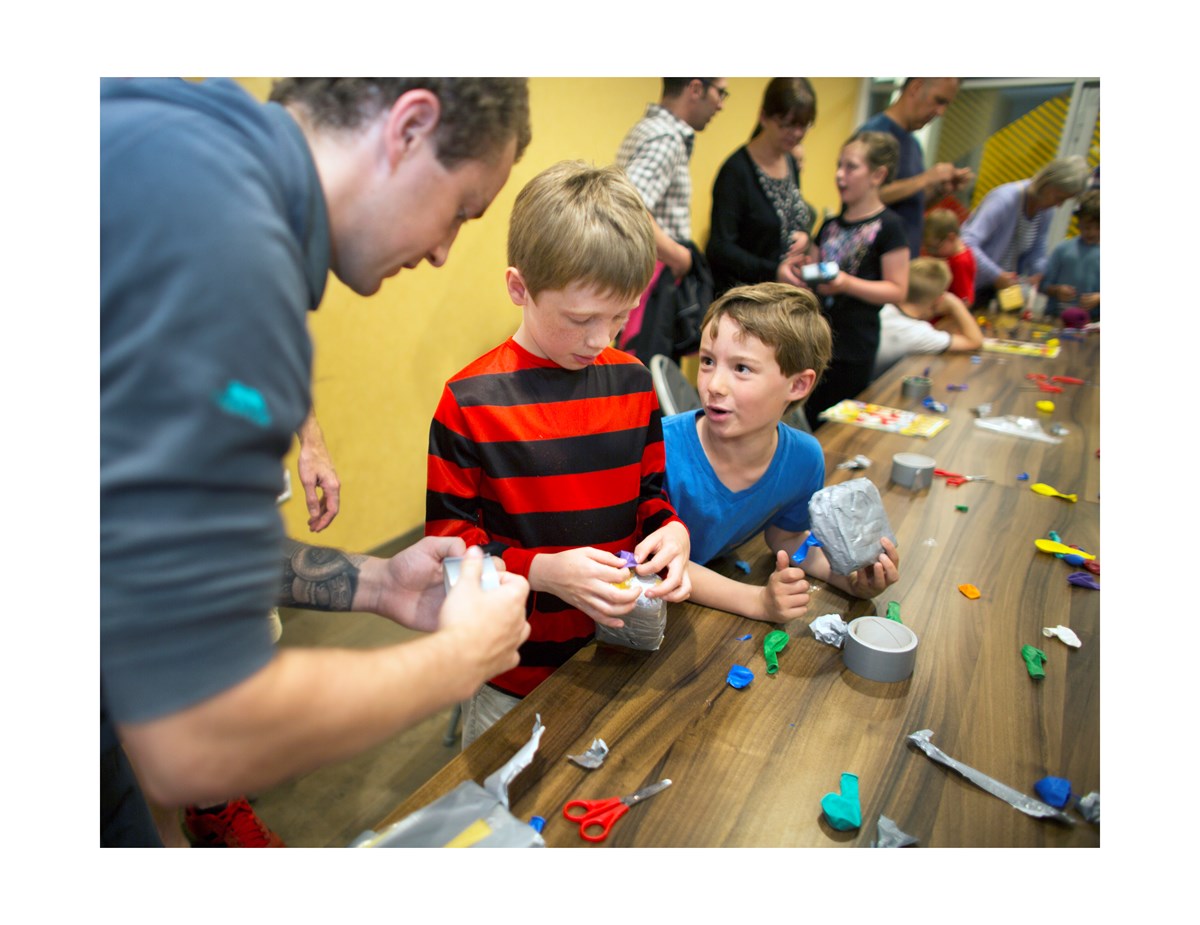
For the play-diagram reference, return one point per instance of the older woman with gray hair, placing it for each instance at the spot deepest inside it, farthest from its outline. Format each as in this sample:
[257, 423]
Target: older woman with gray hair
[1007, 231]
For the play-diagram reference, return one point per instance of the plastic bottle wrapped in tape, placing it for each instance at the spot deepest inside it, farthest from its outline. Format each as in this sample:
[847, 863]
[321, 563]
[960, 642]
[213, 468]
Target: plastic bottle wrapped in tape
[849, 520]
[647, 622]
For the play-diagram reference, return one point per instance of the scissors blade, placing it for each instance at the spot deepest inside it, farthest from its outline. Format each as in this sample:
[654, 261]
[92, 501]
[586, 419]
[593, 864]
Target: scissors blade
[646, 792]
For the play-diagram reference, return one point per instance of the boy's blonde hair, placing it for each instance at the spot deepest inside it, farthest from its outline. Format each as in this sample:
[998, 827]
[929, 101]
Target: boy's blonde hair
[928, 279]
[575, 223]
[939, 225]
[783, 317]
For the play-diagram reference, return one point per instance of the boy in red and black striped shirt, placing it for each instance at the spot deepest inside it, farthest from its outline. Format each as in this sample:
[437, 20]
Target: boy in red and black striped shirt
[547, 451]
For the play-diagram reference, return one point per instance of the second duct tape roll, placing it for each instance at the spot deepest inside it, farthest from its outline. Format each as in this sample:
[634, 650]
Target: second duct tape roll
[916, 386]
[912, 470]
[880, 649]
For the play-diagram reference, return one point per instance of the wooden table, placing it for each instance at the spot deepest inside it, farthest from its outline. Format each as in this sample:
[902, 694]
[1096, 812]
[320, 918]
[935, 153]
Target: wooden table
[999, 380]
[749, 767]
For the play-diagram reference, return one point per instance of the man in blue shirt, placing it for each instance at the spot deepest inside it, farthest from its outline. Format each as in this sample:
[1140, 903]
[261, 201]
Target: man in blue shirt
[921, 100]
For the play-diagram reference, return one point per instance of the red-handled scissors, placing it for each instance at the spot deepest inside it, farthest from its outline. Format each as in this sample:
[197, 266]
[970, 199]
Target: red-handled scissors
[604, 813]
[953, 478]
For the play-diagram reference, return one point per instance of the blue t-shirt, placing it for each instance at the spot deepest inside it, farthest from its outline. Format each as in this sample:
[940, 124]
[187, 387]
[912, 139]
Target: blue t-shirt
[720, 520]
[912, 162]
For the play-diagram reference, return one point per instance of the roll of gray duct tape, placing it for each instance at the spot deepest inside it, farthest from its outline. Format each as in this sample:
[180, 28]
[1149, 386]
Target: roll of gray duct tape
[912, 470]
[915, 386]
[880, 649]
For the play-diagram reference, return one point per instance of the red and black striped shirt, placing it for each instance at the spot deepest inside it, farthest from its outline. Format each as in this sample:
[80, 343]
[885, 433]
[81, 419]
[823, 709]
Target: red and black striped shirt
[526, 457]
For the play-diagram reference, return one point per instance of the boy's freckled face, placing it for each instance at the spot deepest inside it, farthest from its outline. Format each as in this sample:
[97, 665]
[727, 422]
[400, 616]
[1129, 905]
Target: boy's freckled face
[742, 389]
[570, 326]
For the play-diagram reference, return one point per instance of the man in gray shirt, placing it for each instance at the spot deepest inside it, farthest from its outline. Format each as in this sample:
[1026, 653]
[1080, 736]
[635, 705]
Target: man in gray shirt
[220, 220]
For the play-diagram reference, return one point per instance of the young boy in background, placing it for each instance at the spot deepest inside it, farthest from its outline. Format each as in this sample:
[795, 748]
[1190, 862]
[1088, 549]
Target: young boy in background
[1073, 271]
[547, 451]
[734, 468]
[943, 240]
[905, 329]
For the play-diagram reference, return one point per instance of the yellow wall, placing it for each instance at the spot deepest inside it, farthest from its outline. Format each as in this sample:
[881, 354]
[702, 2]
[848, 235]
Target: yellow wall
[380, 362]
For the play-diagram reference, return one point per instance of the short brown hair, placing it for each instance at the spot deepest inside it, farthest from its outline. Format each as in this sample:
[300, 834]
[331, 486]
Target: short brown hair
[575, 223]
[783, 317]
[939, 225]
[883, 150]
[928, 278]
[1088, 209]
[480, 115]
[790, 96]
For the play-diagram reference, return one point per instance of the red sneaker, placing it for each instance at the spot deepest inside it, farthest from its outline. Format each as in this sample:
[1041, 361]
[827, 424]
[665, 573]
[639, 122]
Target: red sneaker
[235, 826]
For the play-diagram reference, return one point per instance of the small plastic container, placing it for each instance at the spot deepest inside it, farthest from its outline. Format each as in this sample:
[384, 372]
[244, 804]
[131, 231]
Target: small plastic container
[646, 623]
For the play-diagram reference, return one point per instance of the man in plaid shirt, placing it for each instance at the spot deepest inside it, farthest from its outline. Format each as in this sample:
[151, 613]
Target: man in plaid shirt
[655, 156]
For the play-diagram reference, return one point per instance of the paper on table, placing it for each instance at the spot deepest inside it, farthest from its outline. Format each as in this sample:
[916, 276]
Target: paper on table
[1016, 426]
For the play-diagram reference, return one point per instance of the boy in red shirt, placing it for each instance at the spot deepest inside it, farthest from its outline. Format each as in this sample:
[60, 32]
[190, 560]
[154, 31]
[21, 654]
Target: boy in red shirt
[547, 450]
[942, 240]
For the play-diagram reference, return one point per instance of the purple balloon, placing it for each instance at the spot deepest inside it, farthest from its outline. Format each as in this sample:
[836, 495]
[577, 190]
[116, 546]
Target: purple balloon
[1083, 580]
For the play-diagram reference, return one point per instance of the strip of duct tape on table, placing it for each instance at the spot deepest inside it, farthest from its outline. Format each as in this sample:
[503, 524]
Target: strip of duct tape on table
[879, 649]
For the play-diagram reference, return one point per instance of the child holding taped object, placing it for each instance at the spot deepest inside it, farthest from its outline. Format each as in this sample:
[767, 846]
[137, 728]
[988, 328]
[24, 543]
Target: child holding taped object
[547, 450]
[734, 468]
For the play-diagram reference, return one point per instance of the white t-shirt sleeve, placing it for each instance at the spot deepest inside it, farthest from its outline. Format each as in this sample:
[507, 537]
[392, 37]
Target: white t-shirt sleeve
[900, 336]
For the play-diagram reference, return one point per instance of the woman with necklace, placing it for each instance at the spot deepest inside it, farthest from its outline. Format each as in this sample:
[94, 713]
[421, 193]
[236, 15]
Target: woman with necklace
[761, 225]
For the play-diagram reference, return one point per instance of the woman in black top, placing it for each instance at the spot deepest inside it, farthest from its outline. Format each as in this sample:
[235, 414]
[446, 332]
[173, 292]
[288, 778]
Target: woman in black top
[760, 222]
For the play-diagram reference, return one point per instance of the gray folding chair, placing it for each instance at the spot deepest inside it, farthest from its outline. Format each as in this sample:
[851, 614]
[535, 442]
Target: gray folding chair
[675, 393]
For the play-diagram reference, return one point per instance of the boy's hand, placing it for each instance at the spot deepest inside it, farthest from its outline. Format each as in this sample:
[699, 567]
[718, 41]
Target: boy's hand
[668, 548]
[785, 596]
[1089, 300]
[586, 578]
[871, 580]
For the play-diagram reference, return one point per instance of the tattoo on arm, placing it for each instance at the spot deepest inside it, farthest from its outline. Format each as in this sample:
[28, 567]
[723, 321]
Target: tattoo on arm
[317, 577]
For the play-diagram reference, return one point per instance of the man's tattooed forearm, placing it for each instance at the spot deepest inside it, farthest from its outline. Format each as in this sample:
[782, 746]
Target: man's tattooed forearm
[317, 577]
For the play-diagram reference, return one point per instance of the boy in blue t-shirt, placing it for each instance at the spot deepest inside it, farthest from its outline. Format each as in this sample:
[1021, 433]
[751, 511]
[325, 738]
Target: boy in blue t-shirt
[1073, 272]
[734, 467]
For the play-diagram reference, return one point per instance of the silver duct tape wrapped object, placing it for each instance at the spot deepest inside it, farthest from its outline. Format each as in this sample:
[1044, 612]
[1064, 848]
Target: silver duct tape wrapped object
[1025, 804]
[646, 624]
[593, 757]
[849, 520]
[469, 816]
[890, 835]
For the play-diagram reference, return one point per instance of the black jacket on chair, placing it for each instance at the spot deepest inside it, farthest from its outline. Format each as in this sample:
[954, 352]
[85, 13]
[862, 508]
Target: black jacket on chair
[671, 320]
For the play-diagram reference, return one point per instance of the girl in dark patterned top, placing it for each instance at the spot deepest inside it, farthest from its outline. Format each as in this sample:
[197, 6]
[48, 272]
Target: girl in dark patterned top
[868, 243]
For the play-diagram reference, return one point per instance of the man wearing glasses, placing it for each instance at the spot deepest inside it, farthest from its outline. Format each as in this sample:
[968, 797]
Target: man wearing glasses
[655, 156]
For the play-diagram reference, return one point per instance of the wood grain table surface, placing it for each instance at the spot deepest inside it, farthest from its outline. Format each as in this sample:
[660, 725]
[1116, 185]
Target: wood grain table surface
[749, 766]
